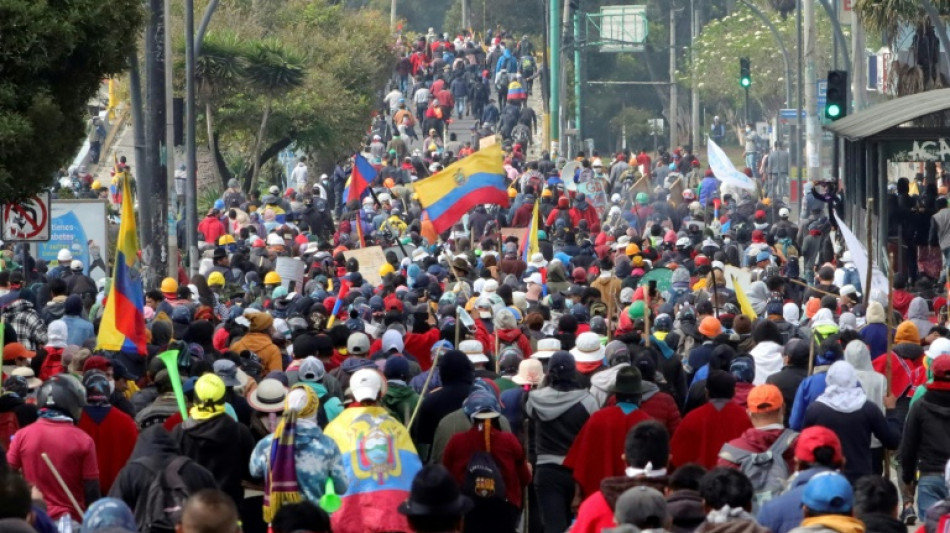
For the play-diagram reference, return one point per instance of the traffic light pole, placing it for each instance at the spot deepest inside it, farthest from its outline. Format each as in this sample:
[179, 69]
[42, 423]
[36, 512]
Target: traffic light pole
[747, 105]
[554, 70]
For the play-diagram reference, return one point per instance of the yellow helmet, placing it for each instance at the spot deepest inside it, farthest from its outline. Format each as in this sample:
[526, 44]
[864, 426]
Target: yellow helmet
[272, 278]
[209, 388]
[632, 249]
[169, 286]
[96, 185]
[546, 193]
[216, 279]
[512, 192]
[225, 239]
[386, 269]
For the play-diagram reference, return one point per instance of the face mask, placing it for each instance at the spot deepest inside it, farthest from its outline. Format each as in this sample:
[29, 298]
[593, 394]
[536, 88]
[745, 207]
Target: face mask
[727, 240]
[111, 386]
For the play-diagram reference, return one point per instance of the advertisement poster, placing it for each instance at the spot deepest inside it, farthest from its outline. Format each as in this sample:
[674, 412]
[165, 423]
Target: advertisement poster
[81, 227]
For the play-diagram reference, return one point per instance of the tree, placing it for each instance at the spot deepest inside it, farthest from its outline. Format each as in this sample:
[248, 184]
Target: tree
[219, 71]
[53, 58]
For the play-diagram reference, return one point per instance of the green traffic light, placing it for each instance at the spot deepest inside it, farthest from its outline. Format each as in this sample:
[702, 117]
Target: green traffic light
[745, 82]
[833, 111]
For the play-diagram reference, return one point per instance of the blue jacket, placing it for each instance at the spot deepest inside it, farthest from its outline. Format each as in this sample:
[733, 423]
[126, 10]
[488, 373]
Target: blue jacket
[875, 336]
[507, 62]
[809, 391]
[707, 189]
[784, 513]
[78, 330]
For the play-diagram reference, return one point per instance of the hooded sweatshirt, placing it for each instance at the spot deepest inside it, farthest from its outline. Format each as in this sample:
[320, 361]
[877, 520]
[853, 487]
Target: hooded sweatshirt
[919, 313]
[258, 340]
[597, 510]
[154, 449]
[221, 445]
[873, 383]
[558, 418]
[457, 376]
[926, 439]
[832, 523]
[768, 360]
[874, 333]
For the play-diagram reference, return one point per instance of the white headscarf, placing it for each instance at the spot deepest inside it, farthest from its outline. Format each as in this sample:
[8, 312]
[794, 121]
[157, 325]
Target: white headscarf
[823, 318]
[791, 314]
[842, 392]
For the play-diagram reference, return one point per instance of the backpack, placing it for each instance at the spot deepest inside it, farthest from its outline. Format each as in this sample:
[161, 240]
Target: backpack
[501, 83]
[483, 480]
[767, 470]
[527, 65]
[165, 498]
[521, 135]
[8, 427]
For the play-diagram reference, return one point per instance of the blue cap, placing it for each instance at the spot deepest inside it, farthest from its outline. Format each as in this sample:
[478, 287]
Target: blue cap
[443, 344]
[828, 492]
[763, 256]
[481, 404]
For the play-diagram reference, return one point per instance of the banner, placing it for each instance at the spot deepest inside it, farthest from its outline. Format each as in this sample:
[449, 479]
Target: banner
[723, 168]
[81, 227]
[859, 256]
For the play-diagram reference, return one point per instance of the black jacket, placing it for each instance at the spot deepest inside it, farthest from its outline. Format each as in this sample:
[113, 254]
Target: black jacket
[153, 450]
[854, 430]
[787, 380]
[457, 376]
[926, 441]
[221, 445]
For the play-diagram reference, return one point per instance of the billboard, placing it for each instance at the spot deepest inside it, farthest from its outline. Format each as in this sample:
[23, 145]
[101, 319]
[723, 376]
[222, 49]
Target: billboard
[82, 227]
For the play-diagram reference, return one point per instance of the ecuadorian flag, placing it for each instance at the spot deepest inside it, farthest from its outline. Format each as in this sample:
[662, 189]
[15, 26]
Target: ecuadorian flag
[123, 322]
[380, 462]
[478, 179]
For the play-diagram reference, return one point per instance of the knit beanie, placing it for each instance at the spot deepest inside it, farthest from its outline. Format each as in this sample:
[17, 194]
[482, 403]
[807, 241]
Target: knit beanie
[906, 333]
[875, 314]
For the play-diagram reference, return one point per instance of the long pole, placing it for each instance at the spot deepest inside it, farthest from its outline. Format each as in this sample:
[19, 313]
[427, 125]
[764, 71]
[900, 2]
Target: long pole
[798, 114]
[191, 159]
[563, 30]
[554, 70]
[170, 148]
[694, 92]
[746, 105]
[813, 132]
[859, 64]
[674, 105]
[138, 120]
[870, 244]
[578, 77]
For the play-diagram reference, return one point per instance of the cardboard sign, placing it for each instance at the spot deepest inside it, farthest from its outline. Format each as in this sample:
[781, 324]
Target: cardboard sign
[596, 193]
[517, 233]
[485, 142]
[676, 192]
[371, 259]
[290, 269]
[743, 277]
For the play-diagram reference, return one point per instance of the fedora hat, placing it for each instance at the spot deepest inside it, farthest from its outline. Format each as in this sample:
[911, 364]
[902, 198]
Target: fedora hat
[435, 493]
[629, 381]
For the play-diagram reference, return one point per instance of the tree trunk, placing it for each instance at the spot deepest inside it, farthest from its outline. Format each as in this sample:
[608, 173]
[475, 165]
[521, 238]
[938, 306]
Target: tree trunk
[209, 122]
[269, 153]
[257, 150]
[219, 163]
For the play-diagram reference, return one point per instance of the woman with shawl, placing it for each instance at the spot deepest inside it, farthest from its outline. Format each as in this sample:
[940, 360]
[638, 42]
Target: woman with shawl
[844, 408]
[297, 460]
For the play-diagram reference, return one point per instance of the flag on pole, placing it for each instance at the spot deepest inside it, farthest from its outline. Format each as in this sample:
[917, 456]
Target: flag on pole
[361, 176]
[359, 231]
[744, 304]
[344, 288]
[123, 321]
[529, 245]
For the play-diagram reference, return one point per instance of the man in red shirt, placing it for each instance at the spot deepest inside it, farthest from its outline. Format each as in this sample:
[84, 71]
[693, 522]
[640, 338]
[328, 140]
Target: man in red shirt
[211, 227]
[113, 432]
[767, 411]
[70, 450]
[597, 452]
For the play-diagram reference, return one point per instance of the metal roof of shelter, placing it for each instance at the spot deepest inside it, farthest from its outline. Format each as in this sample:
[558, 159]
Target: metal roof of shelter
[891, 113]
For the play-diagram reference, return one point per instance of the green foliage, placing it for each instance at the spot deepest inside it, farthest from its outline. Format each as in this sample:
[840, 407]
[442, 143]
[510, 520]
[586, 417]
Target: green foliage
[633, 122]
[53, 56]
[723, 41]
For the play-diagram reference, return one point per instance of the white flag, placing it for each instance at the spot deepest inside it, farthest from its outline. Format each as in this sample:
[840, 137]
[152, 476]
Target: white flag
[859, 256]
[725, 170]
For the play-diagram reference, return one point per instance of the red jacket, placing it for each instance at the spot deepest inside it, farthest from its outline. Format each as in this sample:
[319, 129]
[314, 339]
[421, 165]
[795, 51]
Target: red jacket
[906, 374]
[419, 345]
[211, 228]
[522, 217]
[516, 337]
[482, 335]
[553, 215]
[662, 407]
[589, 214]
[597, 451]
[704, 430]
[115, 437]
[505, 449]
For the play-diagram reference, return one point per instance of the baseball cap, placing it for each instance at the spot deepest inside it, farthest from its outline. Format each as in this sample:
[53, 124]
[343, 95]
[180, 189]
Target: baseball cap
[940, 368]
[828, 492]
[357, 343]
[764, 399]
[644, 507]
[227, 371]
[311, 369]
[783, 212]
[365, 384]
[815, 437]
[480, 405]
[392, 340]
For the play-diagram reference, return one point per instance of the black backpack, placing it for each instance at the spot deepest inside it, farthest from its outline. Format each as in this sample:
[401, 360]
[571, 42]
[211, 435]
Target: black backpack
[165, 498]
[483, 480]
[501, 83]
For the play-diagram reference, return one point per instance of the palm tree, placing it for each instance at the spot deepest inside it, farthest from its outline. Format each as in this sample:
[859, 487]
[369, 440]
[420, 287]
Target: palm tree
[888, 17]
[219, 73]
[272, 70]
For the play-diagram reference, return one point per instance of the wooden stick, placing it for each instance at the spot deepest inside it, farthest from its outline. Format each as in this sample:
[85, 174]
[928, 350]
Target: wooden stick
[425, 387]
[803, 284]
[811, 353]
[870, 243]
[62, 484]
[888, 369]
[646, 314]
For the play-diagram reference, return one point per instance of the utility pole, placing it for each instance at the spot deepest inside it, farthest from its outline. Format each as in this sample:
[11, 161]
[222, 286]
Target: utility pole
[172, 247]
[152, 184]
[466, 23]
[859, 64]
[392, 15]
[554, 69]
[799, 109]
[812, 131]
[694, 8]
[673, 88]
[138, 122]
[578, 77]
[191, 157]
[562, 33]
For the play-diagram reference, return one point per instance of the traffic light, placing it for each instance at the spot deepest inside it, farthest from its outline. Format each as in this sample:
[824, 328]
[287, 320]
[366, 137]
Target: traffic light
[745, 76]
[836, 98]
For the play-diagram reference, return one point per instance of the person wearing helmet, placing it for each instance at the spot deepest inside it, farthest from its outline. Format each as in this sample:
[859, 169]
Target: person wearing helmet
[315, 456]
[271, 281]
[113, 431]
[213, 439]
[72, 451]
[394, 224]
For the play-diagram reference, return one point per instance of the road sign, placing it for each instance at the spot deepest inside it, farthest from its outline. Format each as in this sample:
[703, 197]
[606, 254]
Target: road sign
[621, 28]
[822, 97]
[28, 220]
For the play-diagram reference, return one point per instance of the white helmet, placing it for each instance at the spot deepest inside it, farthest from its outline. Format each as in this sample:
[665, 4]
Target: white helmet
[64, 256]
[274, 239]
